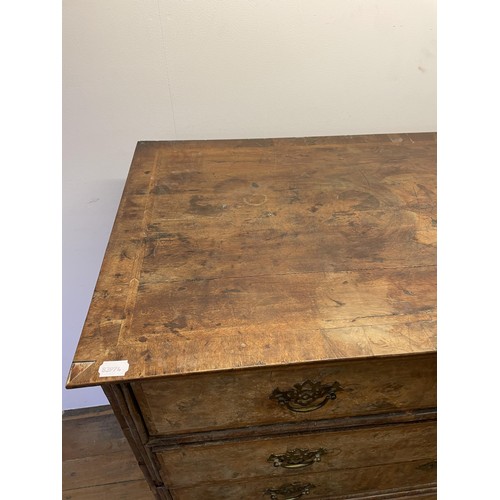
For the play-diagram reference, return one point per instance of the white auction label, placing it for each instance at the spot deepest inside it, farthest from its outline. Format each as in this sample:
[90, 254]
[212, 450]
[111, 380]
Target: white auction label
[113, 368]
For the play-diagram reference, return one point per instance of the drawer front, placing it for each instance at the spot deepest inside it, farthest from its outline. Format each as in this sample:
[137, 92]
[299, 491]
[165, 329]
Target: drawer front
[285, 457]
[288, 394]
[320, 486]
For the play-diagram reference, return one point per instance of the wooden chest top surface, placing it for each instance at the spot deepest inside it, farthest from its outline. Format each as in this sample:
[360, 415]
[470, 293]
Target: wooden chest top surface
[267, 252]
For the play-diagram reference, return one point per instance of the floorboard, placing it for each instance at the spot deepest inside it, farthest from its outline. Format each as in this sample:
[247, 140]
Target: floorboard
[97, 462]
[128, 490]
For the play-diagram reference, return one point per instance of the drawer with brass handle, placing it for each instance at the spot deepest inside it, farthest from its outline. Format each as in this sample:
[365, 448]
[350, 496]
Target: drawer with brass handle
[288, 456]
[324, 485]
[311, 391]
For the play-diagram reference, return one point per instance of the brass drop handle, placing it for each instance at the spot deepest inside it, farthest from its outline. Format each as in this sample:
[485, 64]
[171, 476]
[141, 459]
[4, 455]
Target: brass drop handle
[305, 397]
[297, 458]
[284, 491]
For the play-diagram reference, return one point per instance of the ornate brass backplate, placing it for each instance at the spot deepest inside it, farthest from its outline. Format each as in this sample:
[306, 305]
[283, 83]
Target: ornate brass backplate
[289, 491]
[307, 396]
[297, 458]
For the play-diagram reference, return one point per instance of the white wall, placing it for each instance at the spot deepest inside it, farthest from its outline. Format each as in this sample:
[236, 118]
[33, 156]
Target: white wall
[181, 69]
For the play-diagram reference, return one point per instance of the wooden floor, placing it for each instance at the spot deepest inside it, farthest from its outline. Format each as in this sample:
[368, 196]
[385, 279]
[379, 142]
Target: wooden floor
[97, 462]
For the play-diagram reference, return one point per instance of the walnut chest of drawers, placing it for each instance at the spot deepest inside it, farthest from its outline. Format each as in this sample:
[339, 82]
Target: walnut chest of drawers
[271, 309]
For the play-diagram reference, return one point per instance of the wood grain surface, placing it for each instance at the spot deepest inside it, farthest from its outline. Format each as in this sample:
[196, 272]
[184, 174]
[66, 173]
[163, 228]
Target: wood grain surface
[329, 484]
[242, 398]
[251, 253]
[347, 449]
[97, 461]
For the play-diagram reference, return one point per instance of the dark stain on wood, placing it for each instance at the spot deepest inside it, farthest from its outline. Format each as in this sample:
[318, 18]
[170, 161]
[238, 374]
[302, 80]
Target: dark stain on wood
[361, 200]
[179, 322]
[161, 189]
[199, 207]
[230, 184]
